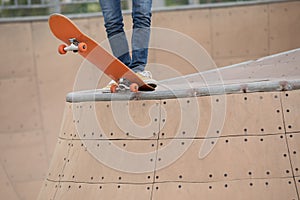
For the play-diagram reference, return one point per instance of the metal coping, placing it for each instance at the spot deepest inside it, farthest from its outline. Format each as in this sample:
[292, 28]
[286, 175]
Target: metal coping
[158, 9]
[247, 87]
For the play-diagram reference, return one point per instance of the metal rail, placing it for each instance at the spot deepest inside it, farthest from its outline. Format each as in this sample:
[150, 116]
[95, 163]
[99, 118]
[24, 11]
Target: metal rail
[250, 87]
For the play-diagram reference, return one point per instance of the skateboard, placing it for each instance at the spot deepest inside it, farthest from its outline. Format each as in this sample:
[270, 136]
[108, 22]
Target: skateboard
[76, 41]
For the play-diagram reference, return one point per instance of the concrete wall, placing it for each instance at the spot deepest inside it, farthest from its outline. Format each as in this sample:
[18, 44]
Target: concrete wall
[34, 79]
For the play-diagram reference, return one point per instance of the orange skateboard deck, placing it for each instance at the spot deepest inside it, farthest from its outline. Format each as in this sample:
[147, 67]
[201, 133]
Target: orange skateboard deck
[65, 30]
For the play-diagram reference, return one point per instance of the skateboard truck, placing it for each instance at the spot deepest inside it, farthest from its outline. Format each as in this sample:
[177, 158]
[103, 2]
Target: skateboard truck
[75, 46]
[123, 85]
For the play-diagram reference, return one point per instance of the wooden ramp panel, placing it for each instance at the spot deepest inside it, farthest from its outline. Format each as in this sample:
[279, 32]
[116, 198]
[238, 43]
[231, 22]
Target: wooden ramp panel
[275, 189]
[83, 164]
[49, 189]
[59, 159]
[291, 110]
[250, 156]
[68, 129]
[117, 120]
[294, 146]
[230, 115]
[232, 158]
[103, 191]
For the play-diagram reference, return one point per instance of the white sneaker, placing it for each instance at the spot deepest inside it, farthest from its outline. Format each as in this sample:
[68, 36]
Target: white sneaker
[123, 85]
[146, 76]
[106, 89]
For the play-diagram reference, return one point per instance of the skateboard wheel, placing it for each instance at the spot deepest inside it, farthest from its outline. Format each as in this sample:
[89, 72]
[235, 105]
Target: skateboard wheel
[82, 47]
[134, 87]
[61, 49]
[113, 88]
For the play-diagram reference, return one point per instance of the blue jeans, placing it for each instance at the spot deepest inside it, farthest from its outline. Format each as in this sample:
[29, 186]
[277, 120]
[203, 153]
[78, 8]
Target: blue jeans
[141, 15]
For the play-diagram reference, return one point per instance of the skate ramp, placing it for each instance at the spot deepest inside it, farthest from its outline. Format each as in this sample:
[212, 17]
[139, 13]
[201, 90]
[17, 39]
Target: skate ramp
[33, 87]
[228, 144]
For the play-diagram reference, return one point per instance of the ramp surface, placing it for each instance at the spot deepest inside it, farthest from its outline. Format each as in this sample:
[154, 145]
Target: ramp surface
[239, 140]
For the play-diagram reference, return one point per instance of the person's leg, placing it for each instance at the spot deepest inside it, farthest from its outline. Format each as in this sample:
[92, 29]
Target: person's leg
[141, 14]
[113, 20]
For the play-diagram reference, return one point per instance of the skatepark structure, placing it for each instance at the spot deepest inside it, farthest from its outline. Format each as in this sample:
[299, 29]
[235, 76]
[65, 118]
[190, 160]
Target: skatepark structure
[254, 153]
[237, 138]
